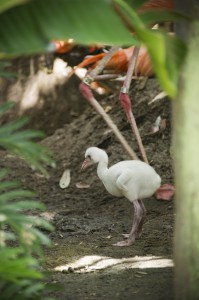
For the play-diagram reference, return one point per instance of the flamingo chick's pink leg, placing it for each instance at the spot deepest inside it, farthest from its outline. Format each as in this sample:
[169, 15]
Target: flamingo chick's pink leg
[136, 230]
[126, 102]
[139, 232]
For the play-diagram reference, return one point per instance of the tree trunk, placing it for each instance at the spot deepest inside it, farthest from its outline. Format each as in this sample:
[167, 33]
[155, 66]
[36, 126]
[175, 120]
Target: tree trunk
[186, 148]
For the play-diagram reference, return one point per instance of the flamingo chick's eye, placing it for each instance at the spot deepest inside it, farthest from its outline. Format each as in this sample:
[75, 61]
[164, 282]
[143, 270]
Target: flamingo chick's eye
[88, 156]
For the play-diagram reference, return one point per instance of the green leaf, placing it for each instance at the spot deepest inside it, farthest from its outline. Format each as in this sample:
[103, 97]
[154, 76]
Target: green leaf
[6, 4]
[33, 290]
[13, 267]
[3, 173]
[20, 142]
[8, 185]
[5, 236]
[8, 75]
[20, 206]
[4, 64]
[24, 205]
[5, 106]
[154, 17]
[12, 126]
[5, 73]
[28, 134]
[14, 194]
[19, 270]
[46, 20]
[42, 238]
[39, 222]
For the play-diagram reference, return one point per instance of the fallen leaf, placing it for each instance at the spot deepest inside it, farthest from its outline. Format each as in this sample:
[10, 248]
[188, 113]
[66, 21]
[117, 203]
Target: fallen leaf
[82, 185]
[65, 179]
[156, 126]
[160, 124]
[142, 273]
[109, 237]
[49, 216]
[107, 131]
[165, 192]
[108, 108]
[160, 96]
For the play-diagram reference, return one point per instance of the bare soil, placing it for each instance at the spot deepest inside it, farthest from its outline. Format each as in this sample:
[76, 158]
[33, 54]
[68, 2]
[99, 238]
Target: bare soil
[89, 220]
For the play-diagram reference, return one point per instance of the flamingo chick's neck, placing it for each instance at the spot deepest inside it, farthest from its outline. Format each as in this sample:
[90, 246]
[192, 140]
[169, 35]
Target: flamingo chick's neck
[102, 169]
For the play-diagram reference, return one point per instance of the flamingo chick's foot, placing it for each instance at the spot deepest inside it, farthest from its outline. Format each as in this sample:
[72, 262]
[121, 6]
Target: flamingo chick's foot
[125, 243]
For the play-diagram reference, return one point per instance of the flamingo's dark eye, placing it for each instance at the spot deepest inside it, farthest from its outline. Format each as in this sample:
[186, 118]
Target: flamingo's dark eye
[88, 156]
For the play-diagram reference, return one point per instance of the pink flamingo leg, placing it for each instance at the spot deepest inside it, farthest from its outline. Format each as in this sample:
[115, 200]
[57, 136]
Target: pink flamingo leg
[126, 102]
[87, 93]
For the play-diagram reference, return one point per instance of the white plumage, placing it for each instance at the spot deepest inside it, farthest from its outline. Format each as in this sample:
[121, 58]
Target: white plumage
[132, 179]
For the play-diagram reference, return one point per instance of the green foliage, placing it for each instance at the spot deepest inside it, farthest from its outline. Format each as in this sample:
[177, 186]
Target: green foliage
[3, 65]
[12, 214]
[21, 238]
[21, 142]
[5, 4]
[149, 17]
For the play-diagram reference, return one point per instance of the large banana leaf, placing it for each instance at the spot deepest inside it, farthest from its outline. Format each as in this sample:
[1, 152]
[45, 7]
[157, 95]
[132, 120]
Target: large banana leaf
[28, 28]
[5, 4]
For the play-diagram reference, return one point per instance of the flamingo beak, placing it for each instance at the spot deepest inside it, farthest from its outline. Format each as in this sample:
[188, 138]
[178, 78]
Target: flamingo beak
[86, 163]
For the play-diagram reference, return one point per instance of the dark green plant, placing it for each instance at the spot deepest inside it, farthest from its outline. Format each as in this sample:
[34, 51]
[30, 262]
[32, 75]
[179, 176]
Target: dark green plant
[21, 142]
[4, 65]
[21, 238]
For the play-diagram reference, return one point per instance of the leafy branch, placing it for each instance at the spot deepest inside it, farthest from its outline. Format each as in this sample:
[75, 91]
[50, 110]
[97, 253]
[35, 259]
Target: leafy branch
[21, 142]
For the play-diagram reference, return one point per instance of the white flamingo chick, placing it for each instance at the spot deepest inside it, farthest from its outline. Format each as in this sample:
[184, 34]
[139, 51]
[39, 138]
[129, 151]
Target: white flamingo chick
[132, 179]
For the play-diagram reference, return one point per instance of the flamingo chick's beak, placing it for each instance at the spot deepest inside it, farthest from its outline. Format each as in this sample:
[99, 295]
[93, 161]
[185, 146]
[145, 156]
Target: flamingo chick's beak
[86, 163]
